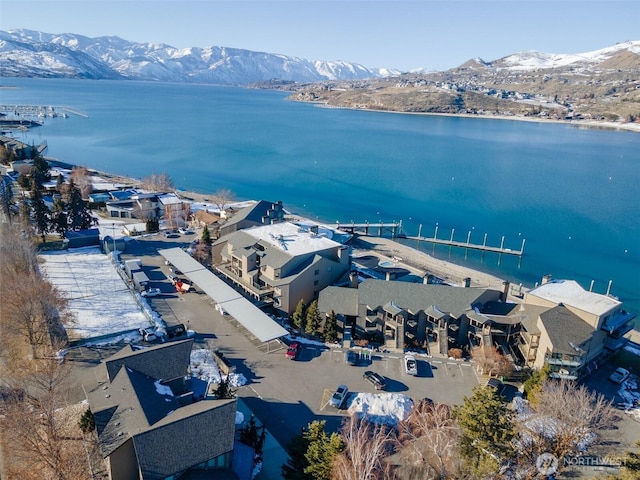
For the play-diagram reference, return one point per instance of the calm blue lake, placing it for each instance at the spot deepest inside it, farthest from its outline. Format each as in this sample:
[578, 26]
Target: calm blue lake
[573, 194]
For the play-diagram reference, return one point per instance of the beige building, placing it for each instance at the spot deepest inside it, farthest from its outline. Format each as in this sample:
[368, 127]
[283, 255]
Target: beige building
[570, 328]
[281, 264]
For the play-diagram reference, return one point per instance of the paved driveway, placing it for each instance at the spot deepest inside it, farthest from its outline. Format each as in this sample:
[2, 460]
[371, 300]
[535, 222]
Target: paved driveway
[287, 395]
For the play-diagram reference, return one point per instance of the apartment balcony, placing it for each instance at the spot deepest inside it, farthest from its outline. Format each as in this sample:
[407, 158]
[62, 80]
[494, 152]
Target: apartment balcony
[619, 322]
[562, 362]
[529, 340]
[563, 376]
[529, 354]
[258, 289]
[615, 344]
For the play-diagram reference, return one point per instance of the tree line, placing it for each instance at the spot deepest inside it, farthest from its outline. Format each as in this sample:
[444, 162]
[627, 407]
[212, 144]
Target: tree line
[483, 438]
[39, 434]
[69, 210]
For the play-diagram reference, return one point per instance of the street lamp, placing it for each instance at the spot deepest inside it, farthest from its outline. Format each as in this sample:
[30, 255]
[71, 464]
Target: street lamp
[113, 236]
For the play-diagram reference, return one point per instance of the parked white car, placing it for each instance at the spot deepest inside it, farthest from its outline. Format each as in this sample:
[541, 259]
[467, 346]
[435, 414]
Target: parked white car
[148, 334]
[339, 396]
[151, 292]
[410, 364]
[620, 375]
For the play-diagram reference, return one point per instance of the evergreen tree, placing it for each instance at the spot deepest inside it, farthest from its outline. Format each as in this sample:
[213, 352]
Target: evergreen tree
[311, 453]
[60, 183]
[41, 216]
[487, 427]
[25, 216]
[331, 328]
[254, 436]
[533, 384]
[79, 216]
[322, 450]
[153, 225]
[87, 422]
[313, 320]
[299, 316]
[297, 462]
[206, 236]
[41, 170]
[6, 199]
[60, 223]
[224, 389]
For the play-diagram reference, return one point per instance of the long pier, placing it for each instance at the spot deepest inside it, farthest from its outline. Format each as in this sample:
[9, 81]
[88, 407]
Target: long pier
[472, 246]
[395, 228]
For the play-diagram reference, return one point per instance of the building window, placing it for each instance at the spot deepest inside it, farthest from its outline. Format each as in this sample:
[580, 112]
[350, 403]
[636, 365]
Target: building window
[317, 272]
[315, 282]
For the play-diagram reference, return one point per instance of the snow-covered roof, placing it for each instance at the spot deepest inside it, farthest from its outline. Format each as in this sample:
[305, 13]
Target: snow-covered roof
[569, 292]
[291, 238]
[169, 199]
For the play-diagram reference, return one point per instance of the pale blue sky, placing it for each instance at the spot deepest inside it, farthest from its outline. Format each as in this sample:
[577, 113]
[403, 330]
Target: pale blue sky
[434, 34]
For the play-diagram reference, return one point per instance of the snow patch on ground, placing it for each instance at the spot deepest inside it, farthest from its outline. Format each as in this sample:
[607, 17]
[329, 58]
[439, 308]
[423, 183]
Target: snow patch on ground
[99, 299]
[385, 408]
[204, 367]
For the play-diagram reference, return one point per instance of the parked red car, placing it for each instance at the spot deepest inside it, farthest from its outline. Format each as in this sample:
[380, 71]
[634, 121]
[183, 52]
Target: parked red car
[293, 350]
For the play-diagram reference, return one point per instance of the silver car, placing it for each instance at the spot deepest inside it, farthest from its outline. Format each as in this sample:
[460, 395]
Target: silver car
[339, 396]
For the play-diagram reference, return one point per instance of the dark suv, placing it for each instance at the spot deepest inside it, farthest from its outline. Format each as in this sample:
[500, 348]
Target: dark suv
[375, 379]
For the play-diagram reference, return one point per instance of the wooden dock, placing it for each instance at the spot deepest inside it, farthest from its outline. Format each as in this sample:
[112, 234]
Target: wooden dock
[394, 228]
[472, 246]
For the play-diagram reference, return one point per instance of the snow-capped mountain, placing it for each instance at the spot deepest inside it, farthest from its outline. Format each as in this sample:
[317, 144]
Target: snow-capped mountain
[28, 53]
[621, 55]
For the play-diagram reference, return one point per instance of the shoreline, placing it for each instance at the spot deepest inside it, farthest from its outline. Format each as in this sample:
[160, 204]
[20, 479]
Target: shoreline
[420, 262]
[586, 124]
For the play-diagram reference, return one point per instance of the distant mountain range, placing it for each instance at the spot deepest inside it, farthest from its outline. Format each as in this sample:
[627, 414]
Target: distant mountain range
[603, 85]
[27, 53]
[599, 85]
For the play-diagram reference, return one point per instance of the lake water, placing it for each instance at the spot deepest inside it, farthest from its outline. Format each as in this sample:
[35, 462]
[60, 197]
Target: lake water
[573, 194]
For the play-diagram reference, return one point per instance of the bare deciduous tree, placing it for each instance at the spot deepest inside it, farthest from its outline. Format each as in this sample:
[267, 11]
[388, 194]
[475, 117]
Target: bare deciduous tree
[366, 446]
[222, 198]
[429, 443]
[32, 308]
[565, 415]
[491, 361]
[43, 432]
[202, 253]
[157, 183]
[82, 179]
[36, 313]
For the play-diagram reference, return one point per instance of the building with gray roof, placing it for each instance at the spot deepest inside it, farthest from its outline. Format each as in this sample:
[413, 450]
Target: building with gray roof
[281, 264]
[405, 315]
[149, 426]
[260, 213]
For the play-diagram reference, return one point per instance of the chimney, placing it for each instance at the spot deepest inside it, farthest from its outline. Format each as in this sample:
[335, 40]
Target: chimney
[467, 282]
[387, 276]
[353, 280]
[546, 279]
[505, 291]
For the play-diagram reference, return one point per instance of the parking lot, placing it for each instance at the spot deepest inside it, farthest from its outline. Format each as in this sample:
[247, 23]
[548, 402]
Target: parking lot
[286, 395]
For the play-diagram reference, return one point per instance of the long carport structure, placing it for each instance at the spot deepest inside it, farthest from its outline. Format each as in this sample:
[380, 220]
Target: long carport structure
[255, 321]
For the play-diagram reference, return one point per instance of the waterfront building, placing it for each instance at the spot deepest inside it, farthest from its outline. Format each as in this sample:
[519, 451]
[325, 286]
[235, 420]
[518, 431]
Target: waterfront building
[281, 264]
